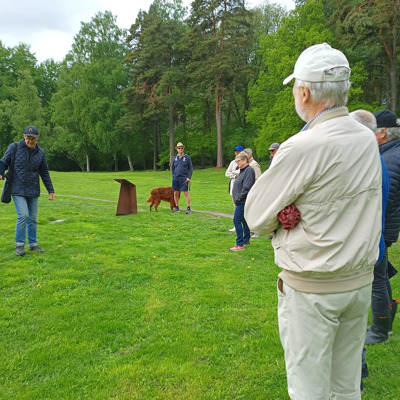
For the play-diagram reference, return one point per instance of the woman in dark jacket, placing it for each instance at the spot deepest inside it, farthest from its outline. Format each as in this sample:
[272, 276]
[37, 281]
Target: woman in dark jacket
[29, 162]
[241, 188]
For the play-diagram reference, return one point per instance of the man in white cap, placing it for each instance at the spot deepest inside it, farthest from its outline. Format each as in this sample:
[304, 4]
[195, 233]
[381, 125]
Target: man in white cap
[327, 259]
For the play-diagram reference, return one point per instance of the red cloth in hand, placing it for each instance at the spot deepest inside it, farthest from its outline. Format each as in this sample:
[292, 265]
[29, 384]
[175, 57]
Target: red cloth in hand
[289, 216]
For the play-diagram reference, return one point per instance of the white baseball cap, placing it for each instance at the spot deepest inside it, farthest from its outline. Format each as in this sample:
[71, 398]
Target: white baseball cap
[314, 65]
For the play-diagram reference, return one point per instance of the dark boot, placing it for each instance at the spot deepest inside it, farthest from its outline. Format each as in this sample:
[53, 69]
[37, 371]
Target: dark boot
[393, 310]
[379, 329]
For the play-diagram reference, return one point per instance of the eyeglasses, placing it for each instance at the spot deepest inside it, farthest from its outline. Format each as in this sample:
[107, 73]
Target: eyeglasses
[31, 138]
[179, 147]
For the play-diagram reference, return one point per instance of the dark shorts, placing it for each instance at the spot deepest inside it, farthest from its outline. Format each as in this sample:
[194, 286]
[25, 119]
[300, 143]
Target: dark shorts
[177, 184]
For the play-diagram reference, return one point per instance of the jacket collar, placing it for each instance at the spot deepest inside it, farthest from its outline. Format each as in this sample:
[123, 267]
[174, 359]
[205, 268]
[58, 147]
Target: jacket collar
[327, 115]
[388, 145]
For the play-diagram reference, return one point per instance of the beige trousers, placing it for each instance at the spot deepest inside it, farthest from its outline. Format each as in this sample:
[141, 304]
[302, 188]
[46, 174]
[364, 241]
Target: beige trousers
[323, 337]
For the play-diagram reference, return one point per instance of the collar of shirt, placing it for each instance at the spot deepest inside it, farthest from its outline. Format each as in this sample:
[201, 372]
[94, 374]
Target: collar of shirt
[307, 125]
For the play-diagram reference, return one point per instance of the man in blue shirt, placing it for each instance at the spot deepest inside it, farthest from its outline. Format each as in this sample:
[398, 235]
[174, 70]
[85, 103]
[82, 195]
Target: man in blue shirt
[182, 171]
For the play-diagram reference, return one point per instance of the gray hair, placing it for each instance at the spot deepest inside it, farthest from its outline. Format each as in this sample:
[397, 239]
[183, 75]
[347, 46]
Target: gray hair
[242, 155]
[329, 93]
[248, 151]
[392, 132]
[366, 118]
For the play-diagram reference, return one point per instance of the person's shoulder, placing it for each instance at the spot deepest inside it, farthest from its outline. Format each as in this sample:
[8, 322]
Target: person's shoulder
[249, 170]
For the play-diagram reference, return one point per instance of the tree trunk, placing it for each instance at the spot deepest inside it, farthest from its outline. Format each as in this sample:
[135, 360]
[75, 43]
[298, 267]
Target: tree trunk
[393, 73]
[171, 130]
[116, 163]
[155, 147]
[218, 116]
[130, 163]
[87, 163]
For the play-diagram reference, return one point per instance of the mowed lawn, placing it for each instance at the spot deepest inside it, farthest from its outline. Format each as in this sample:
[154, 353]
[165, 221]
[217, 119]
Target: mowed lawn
[147, 306]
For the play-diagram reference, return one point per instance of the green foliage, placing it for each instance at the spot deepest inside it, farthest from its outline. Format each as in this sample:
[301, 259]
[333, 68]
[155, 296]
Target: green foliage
[86, 106]
[273, 111]
[28, 108]
[368, 32]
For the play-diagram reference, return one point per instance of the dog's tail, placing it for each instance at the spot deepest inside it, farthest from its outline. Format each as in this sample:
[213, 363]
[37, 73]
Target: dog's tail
[149, 200]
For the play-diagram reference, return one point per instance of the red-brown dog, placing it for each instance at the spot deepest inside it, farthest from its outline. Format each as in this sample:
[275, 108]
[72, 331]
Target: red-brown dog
[161, 193]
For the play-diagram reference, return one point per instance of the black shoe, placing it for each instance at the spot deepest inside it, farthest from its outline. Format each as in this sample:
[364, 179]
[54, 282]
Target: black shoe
[188, 211]
[176, 209]
[364, 371]
[379, 329]
[20, 251]
[36, 248]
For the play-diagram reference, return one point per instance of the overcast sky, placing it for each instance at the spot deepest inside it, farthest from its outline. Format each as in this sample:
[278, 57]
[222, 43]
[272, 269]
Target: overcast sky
[49, 26]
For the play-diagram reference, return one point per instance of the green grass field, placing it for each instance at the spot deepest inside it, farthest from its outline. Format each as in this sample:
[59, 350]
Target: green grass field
[147, 306]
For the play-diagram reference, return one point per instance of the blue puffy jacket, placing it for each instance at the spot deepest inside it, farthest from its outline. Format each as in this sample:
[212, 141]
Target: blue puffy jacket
[29, 164]
[390, 152]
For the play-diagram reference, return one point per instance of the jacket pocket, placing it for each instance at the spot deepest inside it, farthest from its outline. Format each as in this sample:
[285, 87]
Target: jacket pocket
[279, 286]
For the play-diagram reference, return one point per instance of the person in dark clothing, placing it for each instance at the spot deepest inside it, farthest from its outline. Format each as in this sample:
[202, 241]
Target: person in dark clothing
[241, 188]
[388, 137]
[182, 170]
[29, 163]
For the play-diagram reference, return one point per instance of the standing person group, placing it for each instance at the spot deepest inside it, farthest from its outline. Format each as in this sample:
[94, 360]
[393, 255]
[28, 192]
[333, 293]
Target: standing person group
[182, 171]
[328, 258]
[28, 162]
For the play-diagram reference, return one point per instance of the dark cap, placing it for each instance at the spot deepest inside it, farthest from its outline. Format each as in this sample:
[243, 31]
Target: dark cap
[238, 148]
[274, 146]
[386, 119]
[31, 131]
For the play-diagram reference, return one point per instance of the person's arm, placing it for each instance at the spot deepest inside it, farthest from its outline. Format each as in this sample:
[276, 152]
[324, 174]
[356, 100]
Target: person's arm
[45, 175]
[173, 167]
[2, 169]
[232, 171]
[5, 161]
[278, 187]
[190, 171]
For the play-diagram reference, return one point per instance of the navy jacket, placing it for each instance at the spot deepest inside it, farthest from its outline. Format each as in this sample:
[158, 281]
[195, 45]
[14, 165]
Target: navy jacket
[182, 167]
[29, 164]
[390, 152]
[243, 184]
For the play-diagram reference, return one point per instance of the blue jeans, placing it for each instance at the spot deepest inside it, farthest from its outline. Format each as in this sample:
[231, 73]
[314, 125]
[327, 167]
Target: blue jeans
[27, 211]
[242, 229]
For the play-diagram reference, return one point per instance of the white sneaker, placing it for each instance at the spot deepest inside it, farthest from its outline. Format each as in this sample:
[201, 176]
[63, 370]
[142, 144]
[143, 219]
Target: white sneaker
[253, 236]
[232, 230]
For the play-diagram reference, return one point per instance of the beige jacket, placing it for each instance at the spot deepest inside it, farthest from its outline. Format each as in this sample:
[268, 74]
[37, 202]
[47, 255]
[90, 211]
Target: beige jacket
[332, 172]
[256, 167]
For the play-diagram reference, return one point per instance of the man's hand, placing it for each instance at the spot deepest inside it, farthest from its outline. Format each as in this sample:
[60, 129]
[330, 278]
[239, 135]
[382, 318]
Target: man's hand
[187, 180]
[51, 196]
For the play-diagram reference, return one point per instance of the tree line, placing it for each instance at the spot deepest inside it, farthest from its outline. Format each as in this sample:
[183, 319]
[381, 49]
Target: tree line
[210, 77]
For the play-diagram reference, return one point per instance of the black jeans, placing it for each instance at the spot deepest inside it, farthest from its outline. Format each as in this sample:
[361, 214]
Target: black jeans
[381, 289]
